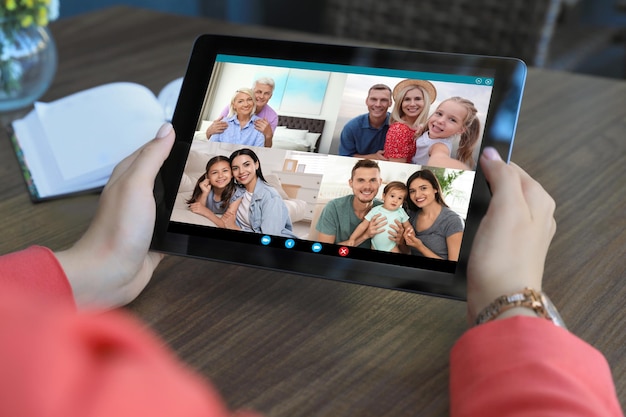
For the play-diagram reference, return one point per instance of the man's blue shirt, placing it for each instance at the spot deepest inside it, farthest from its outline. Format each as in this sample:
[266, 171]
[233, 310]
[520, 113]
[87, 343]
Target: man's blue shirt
[359, 137]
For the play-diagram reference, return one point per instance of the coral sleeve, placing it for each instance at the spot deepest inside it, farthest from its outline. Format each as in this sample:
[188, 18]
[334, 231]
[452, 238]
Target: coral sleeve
[525, 366]
[35, 270]
[59, 363]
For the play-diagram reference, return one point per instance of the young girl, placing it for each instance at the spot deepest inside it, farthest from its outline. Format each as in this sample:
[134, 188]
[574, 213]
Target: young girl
[412, 100]
[261, 209]
[455, 116]
[394, 195]
[215, 191]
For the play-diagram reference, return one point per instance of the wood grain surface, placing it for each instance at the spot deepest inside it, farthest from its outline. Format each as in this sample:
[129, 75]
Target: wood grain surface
[289, 345]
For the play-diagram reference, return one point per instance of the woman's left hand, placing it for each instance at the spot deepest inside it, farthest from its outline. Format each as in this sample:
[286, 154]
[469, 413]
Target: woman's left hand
[111, 264]
[410, 239]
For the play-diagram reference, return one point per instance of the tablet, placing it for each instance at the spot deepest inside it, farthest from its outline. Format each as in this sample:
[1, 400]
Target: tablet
[284, 148]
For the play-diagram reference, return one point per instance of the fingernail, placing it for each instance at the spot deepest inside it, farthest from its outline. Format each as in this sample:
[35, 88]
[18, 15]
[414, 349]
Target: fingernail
[491, 154]
[164, 130]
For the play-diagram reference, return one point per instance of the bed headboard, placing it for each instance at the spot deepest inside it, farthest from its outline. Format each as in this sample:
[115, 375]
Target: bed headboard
[312, 125]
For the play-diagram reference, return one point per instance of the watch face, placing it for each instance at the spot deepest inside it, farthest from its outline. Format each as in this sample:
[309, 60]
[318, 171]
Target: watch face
[552, 312]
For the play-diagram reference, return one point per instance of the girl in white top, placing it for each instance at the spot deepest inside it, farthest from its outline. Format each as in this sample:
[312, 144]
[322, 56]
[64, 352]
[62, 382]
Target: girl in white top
[455, 116]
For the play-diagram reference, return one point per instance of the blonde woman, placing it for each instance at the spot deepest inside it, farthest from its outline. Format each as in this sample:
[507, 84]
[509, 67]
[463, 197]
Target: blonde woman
[240, 121]
[412, 100]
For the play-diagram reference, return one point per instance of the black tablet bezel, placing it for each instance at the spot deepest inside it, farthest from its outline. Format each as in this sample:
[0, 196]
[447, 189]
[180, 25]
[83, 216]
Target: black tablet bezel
[445, 279]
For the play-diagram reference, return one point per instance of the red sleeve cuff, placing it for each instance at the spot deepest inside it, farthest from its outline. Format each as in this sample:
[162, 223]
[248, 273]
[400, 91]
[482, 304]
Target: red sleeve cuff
[528, 366]
[35, 271]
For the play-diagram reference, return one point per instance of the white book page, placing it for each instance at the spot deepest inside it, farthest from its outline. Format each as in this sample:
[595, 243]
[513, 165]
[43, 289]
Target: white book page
[89, 132]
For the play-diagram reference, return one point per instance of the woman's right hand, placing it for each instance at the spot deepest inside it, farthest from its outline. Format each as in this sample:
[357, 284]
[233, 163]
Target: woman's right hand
[411, 240]
[510, 247]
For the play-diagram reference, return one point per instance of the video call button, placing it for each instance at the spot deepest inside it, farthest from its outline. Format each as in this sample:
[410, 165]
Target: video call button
[265, 240]
[344, 251]
[316, 247]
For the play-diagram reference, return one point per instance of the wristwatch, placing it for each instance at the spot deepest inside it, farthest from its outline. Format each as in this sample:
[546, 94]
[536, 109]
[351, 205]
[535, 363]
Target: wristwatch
[528, 298]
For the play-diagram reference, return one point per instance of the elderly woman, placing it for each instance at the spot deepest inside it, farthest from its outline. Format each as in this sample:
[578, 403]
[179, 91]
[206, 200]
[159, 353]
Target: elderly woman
[240, 120]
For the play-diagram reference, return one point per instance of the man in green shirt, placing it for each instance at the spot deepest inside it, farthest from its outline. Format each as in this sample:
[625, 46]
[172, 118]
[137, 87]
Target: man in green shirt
[342, 215]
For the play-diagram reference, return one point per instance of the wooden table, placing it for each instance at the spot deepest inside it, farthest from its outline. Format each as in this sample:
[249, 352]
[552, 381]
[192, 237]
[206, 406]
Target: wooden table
[288, 345]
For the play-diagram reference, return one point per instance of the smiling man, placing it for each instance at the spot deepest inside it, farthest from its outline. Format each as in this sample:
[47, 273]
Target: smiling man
[343, 214]
[364, 135]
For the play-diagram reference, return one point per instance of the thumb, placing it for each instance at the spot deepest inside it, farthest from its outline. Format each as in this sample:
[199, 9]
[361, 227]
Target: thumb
[147, 160]
[491, 162]
[150, 157]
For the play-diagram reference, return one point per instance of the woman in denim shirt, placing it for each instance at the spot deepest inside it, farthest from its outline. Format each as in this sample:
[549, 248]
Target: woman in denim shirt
[262, 209]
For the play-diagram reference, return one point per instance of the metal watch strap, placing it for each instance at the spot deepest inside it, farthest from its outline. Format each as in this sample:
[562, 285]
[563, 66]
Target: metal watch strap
[528, 298]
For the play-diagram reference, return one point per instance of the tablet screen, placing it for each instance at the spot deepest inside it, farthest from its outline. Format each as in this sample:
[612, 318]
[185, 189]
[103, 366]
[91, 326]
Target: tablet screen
[300, 157]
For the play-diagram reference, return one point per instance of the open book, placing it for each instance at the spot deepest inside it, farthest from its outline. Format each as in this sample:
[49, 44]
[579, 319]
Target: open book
[71, 145]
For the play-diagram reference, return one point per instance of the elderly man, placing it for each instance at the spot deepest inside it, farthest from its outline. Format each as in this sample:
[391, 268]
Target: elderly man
[268, 119]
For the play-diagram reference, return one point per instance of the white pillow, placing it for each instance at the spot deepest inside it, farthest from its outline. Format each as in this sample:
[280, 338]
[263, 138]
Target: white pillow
[297, 134]
[311, 139]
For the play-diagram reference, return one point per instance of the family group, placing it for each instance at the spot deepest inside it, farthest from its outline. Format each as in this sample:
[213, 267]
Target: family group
[428, 227]
[248, 119]
[233, 194]
[410, 133]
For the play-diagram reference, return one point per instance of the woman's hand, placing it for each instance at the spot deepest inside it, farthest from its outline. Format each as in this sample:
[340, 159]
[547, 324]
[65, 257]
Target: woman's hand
[510, 248]
[110, 265]
[229, 220]
[411, 240]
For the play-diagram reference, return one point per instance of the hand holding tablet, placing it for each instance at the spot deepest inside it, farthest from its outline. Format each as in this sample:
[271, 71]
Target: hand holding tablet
[422, 119]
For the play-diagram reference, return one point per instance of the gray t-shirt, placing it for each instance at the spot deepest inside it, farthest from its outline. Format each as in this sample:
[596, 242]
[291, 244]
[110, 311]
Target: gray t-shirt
[217, 207]
[338, 219]
[434, 238]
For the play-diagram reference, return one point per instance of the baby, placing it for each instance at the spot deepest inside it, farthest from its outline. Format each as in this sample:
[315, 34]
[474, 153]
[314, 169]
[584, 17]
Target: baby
[394, 195]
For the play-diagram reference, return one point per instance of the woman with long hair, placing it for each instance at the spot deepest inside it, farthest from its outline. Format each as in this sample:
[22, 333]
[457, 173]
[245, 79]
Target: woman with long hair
[436, 230]
[412, 100]
[262, 209]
